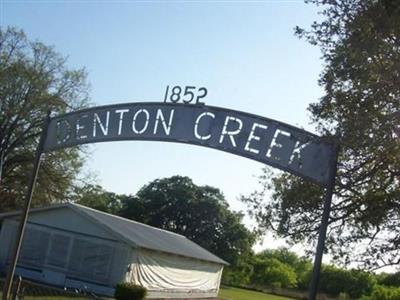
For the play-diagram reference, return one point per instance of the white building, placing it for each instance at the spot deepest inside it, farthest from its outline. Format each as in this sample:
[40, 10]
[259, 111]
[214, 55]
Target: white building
[70, 245]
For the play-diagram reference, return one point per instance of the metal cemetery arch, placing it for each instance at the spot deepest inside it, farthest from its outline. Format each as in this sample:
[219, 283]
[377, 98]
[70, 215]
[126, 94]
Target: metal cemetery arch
[268, 141]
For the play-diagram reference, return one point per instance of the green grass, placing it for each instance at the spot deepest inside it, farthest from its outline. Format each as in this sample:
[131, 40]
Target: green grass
[226, 293]
[52, 298]
[49, 298]
[230, 293]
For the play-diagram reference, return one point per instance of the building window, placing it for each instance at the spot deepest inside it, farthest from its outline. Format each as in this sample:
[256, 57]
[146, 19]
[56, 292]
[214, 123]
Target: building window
[90, 260]
[34, 247]
[58, 252]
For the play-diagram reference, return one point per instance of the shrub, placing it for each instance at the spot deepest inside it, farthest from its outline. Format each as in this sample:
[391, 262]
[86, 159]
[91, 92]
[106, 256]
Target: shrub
[362, 283]
[334, 280]
[354, 283]
[385, 293]
[273, 273]
[390, 279]
[129, 291]
[238, 274]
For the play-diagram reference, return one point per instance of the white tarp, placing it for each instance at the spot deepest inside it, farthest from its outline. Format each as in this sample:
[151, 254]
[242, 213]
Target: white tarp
[163, 272]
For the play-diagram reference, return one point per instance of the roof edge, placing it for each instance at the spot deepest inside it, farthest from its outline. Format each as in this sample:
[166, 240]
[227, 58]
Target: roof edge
[80, 209]
[82, 213]
[37, 209]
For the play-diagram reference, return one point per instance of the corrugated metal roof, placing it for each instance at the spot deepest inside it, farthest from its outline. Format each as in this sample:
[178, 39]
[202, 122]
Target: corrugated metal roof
[141, 235]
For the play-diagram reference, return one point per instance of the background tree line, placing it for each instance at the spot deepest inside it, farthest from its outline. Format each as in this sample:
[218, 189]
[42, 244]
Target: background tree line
[281, 268]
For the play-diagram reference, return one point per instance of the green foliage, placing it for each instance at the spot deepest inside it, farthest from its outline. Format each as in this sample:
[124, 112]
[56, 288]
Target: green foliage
[360, 108]
[129, 291]
[96, 197]
[283, 268]
[300, 265]
[271, 272]
[385, 293]
[390, 279]
[354, 283]
[34, 78]
[362, 283]
[270, 268]
[238, 274]
[200, 213]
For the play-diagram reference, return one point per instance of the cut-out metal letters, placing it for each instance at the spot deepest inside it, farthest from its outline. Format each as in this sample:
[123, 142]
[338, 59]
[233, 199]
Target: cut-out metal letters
[268, 141]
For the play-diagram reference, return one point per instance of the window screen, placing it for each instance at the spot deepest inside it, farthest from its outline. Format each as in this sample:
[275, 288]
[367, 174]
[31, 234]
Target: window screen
[11, 228]
[90, 260]
[34, 247]
[86, 258]
[58, 253]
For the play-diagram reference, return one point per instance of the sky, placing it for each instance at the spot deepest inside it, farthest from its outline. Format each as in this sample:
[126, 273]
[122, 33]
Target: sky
[244, 52]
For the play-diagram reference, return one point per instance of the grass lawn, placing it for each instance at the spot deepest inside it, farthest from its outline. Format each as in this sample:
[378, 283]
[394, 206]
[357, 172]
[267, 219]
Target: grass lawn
[230, 293]
[49, 298]
[226, 293]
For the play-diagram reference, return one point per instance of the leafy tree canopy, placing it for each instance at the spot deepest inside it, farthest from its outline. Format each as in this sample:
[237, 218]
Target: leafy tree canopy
[34, 79]
[241, 273]
[360, 44]
[392, 279]
[271, 272]
[200, 213]
[96, 197]
[354, 283]
[300, 265]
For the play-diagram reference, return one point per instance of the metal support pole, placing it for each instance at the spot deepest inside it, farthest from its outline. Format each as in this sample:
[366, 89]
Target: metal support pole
[24, 213]
[323, 228]
[2, 153]
[17, 288]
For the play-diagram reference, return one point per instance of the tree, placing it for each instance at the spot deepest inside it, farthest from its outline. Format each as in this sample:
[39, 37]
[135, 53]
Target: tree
[384, 293]
[34, 78]
[389, 279]
[354, 283]
[200, 213]
[360, 44]
[96, 197]
[241, 273]
[300, 265]
[272, 273]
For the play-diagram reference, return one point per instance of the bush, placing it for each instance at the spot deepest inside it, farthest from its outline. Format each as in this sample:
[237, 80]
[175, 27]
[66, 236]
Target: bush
[354, 283]
[334, 280]
[129, 291]
[273, 273]
[238, 274]
[349, 284]
[390, 279]
[385, 293]
[362, 283]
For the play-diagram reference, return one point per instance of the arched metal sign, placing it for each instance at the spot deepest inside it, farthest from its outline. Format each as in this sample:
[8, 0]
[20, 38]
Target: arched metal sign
[271, 142]
[268, 141]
